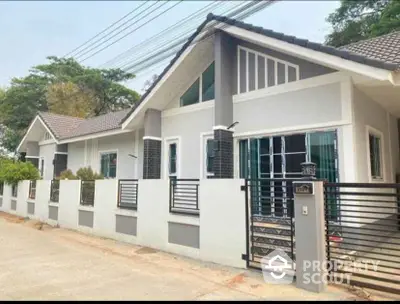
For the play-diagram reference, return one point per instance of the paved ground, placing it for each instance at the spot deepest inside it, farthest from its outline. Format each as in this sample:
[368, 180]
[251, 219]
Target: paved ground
[42, 263]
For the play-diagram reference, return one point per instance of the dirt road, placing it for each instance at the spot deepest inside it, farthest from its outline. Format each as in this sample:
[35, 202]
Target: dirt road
[42, 263]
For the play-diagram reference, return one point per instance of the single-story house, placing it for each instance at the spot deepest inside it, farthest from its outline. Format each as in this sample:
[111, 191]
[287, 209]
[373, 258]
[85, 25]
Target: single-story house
[242, 101]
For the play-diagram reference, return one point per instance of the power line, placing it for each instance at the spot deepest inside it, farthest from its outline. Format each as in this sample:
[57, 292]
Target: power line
[153, 38]
[166, 46]
[162, 49]
[98, 43]
[134, 30]
[241, 15]
[110, 26]
[180, 37]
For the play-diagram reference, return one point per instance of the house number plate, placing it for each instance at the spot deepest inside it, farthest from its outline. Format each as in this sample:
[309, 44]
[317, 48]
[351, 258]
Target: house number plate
[303, 188]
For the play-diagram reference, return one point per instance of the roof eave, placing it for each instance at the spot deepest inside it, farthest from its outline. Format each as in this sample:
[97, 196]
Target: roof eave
[41, 120]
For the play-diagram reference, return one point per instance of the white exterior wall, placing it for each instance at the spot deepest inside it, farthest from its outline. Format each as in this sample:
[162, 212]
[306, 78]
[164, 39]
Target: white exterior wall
[310, 106]
[187, 128]
[83, 155]
[22, 198]
[222, 239]
[47, 152]
[68, 203]
[369, 113]
[76, 156]
[124, 144]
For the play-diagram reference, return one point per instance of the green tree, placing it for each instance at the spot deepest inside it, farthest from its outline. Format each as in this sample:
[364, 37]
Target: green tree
[358, 20]
[66, 98]
[12, 172]
[28, 95]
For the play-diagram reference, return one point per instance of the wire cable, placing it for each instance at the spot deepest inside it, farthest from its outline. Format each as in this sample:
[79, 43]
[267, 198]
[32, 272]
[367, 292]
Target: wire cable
[160, 51]
[131, 32]
[98, 43]
[110, 26]
[153, 39]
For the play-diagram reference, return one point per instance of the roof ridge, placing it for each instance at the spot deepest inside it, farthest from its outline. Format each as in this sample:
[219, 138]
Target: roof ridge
[56, 114]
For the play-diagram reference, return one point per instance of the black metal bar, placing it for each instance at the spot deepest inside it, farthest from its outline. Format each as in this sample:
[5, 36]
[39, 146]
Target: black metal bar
[32, 189]
[247, 223]
[362, 185]
[87, 192]
[128, 193]
[184, 196]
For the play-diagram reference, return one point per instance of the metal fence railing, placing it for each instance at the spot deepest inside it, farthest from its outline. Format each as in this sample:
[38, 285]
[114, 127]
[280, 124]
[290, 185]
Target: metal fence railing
[14, 190]
[362, 226]
[87, 192]
[54, 191]
[184, 196]
[32, 189]
[128, 193]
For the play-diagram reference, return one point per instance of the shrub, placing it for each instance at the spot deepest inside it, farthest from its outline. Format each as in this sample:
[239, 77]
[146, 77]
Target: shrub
[67, 174]
[88, 174]
[82, 173]
[12, 172]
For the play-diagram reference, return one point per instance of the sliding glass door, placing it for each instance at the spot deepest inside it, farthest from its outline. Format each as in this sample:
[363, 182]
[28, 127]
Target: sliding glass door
[265, 160]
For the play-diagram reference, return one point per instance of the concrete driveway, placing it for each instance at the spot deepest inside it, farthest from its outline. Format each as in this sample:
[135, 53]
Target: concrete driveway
[42, 263]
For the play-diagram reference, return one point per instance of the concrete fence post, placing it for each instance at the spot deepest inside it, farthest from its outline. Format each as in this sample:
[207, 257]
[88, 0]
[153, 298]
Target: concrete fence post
[310, 240]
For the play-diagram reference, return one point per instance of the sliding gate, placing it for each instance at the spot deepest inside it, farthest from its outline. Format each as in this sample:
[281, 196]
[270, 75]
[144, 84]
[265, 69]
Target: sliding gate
[363, 234]
[269, 219]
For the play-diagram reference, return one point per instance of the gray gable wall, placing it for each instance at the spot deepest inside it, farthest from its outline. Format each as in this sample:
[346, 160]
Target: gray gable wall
[307, 69]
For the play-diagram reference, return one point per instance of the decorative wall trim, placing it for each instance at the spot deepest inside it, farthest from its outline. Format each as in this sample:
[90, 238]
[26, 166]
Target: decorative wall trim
[188, 109]
[152, 138]
[291, 129]
[291, 87]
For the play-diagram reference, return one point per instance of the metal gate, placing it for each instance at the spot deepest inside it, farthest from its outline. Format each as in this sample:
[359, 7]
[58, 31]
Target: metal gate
[363, 234]
[269, 219]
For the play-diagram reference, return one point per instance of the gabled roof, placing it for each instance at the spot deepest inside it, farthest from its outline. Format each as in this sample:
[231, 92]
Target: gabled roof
[107, 122]
[385, 48]
[65, 127]
[60, 125]
[357, 55]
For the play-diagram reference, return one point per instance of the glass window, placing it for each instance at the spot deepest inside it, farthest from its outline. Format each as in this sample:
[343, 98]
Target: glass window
[108, 164]
[210, 156]
[192, 95]
[208, 82]
[375, 156]
[172, 159]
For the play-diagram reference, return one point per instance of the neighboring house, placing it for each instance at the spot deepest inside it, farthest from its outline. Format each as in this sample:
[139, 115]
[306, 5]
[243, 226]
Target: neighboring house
[56, 142]
[293, 101]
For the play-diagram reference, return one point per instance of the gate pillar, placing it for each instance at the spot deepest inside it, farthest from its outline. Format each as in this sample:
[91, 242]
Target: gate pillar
[310, 234]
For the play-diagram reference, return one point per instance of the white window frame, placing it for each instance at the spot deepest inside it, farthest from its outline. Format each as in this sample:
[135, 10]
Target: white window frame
[203, 152]
[275, 60]
[109, 152]
[375, 132]
[167, 142]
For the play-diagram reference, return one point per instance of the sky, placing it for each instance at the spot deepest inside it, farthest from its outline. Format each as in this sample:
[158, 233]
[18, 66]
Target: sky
[30, 31]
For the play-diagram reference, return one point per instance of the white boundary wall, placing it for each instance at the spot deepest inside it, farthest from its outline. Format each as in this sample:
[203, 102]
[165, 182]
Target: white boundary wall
[221, 225]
